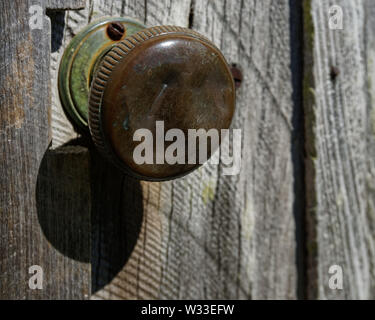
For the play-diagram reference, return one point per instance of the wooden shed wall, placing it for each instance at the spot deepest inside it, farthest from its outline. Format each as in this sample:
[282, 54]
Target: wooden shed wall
[303, 201]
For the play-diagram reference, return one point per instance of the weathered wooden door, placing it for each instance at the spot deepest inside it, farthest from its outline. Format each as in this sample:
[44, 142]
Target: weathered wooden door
[271, 232]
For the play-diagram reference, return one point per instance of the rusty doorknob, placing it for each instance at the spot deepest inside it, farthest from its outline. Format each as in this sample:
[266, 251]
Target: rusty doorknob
[146, 84]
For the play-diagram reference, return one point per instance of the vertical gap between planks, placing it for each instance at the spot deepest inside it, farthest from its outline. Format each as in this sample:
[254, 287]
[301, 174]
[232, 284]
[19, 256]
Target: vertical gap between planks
[298, 140]
[191, 14]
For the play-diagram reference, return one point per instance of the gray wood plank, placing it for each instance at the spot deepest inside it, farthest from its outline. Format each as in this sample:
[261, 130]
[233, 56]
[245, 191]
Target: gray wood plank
[340, 148]
[24, 139]
[65, 4]
[63, 196]
[251, 224]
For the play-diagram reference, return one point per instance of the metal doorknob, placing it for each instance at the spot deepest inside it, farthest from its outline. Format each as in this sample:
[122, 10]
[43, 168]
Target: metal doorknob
[143, 83]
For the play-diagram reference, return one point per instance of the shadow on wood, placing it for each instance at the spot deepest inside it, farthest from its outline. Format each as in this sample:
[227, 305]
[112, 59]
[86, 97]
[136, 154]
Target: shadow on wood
[116, 219]
[63, 200]
[57, 28]
[88, 210]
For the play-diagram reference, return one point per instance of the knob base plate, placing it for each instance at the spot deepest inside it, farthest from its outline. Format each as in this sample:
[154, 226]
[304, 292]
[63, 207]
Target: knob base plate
[79, 61]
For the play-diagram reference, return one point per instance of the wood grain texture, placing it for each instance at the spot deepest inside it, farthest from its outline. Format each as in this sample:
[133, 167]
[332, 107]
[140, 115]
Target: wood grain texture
[65, 4]
[206, 235]
[97, 232]
[24, 139]
[340, 148]
[63, 198]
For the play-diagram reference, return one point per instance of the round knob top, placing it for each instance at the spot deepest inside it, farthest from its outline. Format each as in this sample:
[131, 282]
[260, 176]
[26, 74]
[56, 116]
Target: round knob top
[159, 79]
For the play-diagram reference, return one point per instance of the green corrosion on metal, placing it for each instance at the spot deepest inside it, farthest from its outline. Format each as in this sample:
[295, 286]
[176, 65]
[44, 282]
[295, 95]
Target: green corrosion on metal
[79, 61]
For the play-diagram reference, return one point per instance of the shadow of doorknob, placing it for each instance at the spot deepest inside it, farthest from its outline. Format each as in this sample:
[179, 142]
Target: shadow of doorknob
[150, 97]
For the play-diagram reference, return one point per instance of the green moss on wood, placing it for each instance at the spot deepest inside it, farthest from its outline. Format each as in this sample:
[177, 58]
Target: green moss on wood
[311, 151]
